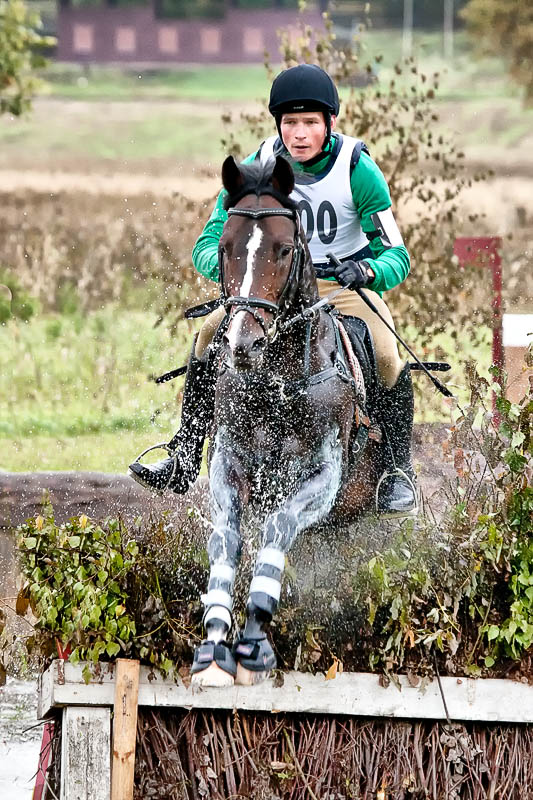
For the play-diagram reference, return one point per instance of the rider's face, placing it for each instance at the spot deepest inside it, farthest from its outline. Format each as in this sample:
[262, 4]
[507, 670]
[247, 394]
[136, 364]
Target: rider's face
[303, 133]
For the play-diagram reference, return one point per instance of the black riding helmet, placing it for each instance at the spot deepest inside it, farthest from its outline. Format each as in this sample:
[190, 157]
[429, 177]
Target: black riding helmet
[306, 87]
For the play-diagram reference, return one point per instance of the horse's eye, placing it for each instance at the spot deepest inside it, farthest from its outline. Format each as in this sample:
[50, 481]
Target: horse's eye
[285, 251]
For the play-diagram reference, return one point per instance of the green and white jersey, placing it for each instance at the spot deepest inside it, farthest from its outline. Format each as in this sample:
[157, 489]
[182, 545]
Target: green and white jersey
[325, 201]
[371, 216]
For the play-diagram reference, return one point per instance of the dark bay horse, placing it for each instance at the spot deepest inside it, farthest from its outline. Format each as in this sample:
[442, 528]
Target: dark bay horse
[287, 414]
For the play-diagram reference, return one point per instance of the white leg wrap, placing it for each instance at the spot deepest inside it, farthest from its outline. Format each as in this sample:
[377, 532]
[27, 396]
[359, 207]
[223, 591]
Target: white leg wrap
[218, 597]
[218, 612]
[270, 586]
[222, 571]
[273, 557]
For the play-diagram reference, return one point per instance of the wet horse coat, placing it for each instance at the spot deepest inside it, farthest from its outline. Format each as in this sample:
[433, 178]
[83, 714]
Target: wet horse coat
[285, 412]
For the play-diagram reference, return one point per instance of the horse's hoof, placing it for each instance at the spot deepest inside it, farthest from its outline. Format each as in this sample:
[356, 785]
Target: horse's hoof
[248, 677]
[213, 665]
[212, 677]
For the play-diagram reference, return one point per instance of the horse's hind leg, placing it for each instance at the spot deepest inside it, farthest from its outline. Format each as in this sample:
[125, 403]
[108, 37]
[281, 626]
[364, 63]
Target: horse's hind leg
[307, 506]
[214, 664]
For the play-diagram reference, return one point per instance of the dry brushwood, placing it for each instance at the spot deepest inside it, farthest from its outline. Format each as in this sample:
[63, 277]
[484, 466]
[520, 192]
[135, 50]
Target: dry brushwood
[219, 755]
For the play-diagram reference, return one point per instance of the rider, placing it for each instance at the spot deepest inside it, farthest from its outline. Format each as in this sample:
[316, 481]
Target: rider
[345, 206]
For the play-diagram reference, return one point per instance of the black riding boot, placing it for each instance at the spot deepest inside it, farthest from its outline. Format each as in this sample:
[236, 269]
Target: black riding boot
[181, 468]
[397, 490]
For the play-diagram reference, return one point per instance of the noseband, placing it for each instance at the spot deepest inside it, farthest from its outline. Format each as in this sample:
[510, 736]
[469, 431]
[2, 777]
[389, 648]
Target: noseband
[250, 304]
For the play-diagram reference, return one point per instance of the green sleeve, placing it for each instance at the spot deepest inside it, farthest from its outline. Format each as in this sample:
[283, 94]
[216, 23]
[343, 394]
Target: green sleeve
[205, 250]
[370, 195]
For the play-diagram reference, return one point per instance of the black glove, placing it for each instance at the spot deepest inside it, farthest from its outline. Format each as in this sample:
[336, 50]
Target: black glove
[353, 274]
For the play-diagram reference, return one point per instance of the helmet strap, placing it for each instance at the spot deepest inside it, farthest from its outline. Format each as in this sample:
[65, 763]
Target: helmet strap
[327, 118]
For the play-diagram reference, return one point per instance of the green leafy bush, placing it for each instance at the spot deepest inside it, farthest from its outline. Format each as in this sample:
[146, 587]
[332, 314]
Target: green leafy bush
[20, 56]
[97, 593]
[75, 584]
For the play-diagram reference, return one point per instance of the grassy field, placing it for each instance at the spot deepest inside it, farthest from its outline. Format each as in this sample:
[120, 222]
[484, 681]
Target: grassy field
[77, 392]
[223, 82]
[159, 120]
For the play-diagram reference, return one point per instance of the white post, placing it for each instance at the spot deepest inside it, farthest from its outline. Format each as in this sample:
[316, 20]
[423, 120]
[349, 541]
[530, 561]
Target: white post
[448, 30]
[86, 753]
[407, 40]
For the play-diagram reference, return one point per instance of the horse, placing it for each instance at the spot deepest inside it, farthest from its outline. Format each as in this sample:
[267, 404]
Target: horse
[290, 439]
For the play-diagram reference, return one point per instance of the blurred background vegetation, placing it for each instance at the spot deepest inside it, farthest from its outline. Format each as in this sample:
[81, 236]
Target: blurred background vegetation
[105, 185]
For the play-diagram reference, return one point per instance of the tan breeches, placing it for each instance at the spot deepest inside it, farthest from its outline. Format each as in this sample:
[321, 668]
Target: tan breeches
[389, 362]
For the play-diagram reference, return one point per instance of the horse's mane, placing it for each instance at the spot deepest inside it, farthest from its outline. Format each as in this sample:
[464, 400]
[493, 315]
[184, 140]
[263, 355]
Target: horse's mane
[257, 179]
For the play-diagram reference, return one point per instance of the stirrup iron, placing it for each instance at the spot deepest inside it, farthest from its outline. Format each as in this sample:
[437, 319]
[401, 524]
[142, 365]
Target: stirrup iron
[172, 454]
[397, 514]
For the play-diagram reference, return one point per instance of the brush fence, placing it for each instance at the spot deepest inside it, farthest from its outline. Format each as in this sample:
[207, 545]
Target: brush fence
[94, 741]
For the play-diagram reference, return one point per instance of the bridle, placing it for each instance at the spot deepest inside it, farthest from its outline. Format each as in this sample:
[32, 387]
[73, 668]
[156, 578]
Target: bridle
[250, 304]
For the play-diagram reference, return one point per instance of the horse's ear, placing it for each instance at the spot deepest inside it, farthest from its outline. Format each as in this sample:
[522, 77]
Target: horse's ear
[232, 179]
[282, 176]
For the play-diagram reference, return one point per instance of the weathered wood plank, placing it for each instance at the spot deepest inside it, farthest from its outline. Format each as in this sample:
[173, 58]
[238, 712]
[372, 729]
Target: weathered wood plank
[124, 728]
[355, 694]
[85, 753]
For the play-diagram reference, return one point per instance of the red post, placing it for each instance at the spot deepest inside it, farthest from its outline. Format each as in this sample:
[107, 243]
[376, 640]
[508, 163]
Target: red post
[484, 251]
[45, 757]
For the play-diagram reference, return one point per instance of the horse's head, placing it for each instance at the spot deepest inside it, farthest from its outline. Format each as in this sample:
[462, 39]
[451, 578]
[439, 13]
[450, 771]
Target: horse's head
[261, 257]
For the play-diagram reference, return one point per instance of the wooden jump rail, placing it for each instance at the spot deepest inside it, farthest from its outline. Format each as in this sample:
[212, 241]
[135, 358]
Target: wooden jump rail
[97, 755]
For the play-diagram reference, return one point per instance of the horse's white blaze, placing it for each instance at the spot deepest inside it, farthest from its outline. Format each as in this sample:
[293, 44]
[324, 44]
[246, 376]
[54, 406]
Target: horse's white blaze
[233, 334]
[254, 242]
[252, 246]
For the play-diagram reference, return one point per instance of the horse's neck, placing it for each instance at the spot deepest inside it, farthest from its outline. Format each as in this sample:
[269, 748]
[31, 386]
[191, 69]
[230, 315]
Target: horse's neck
[305, 348]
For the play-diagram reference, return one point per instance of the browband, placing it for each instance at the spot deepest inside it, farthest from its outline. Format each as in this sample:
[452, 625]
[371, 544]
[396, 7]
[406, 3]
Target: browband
[259, 213]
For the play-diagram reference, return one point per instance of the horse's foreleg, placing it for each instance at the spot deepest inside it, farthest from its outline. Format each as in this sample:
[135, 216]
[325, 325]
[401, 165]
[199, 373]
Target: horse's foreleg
[308, 505]
[214, 664]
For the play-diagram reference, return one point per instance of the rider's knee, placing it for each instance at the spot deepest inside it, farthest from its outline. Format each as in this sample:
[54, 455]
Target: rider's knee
[389, 368]
[208, 330]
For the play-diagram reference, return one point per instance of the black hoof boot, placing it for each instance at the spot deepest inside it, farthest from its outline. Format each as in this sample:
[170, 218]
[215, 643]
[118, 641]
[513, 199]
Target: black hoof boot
[252, 651]
[255, 655]
[209, 653]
